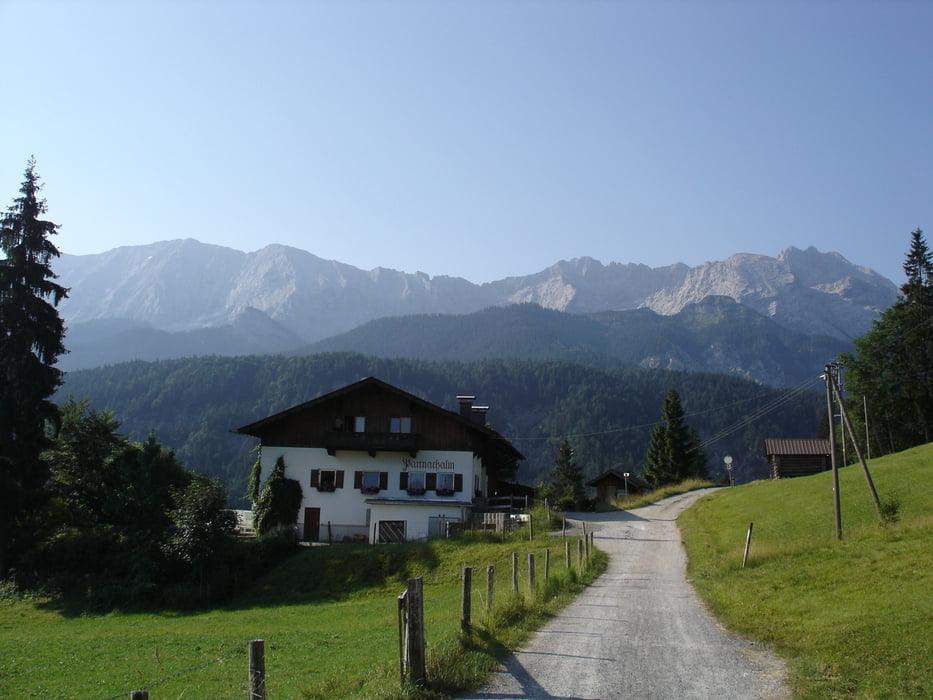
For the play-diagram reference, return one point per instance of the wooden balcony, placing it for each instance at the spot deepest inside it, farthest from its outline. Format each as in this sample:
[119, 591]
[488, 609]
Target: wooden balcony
[371, 442]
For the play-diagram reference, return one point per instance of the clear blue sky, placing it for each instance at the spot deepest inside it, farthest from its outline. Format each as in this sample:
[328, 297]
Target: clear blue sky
[479, 139]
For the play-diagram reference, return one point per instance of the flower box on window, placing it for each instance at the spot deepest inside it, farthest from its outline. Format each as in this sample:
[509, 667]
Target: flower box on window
[445, 492]
[415, 492]
[369, 490]
[327, 488]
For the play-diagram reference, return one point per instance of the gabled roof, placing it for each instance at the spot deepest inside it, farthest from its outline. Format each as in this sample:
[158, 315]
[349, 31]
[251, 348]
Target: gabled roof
[502, 444]
[783, 446]
[633, 481]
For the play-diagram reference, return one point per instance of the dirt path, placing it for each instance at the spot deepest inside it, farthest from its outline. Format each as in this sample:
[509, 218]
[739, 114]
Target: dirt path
[639, 631]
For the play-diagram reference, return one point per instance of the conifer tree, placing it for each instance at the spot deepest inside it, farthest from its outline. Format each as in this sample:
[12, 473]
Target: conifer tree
[893, 363]
[673, 452]
[31, 340]
[566, 490]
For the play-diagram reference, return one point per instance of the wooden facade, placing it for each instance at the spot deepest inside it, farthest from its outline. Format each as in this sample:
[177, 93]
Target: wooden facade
[789, 458]
[613, 485]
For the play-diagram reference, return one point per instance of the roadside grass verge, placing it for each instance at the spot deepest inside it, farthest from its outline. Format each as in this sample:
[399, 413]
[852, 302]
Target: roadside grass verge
[853, 618]
[647, 499]
[328, 616]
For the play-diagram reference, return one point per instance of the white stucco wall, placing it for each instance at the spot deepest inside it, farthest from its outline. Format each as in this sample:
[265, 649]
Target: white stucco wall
[347, 506]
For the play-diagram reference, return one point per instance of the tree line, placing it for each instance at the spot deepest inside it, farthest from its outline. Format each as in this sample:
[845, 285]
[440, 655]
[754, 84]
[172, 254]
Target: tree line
[84, 511]
[106, 510]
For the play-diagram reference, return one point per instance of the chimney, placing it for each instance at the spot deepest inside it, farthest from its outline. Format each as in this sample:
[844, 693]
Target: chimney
[479, 414]
[466, 406]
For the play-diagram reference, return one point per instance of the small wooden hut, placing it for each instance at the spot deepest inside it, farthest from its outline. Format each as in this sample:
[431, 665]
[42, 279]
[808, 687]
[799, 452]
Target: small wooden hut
[611, 485]
[797, 457]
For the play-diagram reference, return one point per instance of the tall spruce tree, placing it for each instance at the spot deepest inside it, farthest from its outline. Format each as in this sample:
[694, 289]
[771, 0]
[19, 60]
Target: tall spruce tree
[566, 490]
[893, 363]
[31, 340]
[674, 452]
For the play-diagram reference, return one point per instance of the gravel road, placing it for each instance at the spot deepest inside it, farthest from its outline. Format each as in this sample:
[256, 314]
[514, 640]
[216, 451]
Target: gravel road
[639, 631]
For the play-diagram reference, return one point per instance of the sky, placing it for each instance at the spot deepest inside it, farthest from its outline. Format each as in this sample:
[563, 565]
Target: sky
[480, 139]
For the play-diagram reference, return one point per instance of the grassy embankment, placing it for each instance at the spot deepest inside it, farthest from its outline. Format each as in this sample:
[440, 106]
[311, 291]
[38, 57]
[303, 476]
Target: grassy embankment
[853, 618]
[328, 617]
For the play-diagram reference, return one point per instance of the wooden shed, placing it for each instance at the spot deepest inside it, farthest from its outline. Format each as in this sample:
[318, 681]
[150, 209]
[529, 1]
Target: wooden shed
[611, 485]
[797, 457]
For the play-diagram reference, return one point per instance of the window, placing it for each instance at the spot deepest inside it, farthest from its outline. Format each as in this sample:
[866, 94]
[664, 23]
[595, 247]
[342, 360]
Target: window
[327, 479]
[400, 425]
[414, 483]
[351, 424]
[445, 484]
[370, 482]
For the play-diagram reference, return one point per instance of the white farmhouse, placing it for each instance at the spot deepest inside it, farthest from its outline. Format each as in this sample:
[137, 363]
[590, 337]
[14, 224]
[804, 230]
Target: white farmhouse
[378, 464]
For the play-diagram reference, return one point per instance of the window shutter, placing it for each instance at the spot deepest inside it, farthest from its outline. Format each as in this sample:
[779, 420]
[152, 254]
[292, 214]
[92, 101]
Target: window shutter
[403, 481]
[357, 480]
[383, 480]
[458, 482]
[430, 481]
[314, 478]
[339, 480]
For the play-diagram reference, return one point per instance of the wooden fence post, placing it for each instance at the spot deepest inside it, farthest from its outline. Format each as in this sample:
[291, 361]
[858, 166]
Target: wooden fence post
[580, 554]
[567, 553]
[748, 541]
[547, 563]
[514, 572]
[257, 670]
[531, 527]
[465, 599]
[531, 573]
[330, 533]
[139, 695]
[411, 607]
[490, 581]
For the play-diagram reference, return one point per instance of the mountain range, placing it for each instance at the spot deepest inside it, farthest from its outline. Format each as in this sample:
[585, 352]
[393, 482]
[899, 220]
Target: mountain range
[182, 298]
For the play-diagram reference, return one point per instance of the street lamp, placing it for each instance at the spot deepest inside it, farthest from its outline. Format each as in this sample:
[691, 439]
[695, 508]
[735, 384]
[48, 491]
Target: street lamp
[626, 484]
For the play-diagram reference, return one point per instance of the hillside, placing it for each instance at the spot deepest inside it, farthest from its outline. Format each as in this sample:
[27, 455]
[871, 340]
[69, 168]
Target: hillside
[854, 618]
[715, 335]
[191, 405]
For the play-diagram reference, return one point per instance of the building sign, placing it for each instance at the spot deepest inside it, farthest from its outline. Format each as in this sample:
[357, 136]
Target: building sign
[409, 464]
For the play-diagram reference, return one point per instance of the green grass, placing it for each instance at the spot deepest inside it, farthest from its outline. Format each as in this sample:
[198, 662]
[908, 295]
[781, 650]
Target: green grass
[328, 617]
[853, 618]
[647, 499]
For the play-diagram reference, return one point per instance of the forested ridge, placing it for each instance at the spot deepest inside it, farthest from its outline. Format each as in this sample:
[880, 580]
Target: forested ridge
[717, 335]
[191, 405]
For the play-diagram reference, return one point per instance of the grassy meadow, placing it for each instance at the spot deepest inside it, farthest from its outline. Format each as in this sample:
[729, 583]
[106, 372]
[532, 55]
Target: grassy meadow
[328, 617]
[853, 617]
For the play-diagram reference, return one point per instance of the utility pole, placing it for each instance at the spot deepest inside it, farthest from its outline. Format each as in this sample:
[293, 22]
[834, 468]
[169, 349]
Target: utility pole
[848, 426]
[828, 376]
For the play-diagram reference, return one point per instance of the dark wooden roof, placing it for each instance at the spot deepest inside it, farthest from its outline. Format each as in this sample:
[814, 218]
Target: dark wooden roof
[783, 446]
[493, 440]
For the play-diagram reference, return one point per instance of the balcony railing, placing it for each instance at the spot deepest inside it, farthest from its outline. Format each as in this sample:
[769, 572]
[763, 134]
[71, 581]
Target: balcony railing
[371, 442]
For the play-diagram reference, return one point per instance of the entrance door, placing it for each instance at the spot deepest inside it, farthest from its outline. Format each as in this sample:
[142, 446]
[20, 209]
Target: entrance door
[312, 529]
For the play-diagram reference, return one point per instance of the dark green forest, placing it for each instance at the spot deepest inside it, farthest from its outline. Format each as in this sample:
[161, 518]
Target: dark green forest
[716, 335]
[191, 405]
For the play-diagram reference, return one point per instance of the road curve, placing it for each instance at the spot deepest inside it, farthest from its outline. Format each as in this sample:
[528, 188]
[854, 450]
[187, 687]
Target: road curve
[639, 631]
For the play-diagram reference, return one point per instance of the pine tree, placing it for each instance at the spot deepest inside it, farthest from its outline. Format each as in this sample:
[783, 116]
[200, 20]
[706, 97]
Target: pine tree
[674, 452]
[31, 340]
[893, 363]
[566, 491]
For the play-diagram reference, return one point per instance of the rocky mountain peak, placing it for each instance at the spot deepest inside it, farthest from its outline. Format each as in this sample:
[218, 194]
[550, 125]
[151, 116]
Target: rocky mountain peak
[186, 285]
